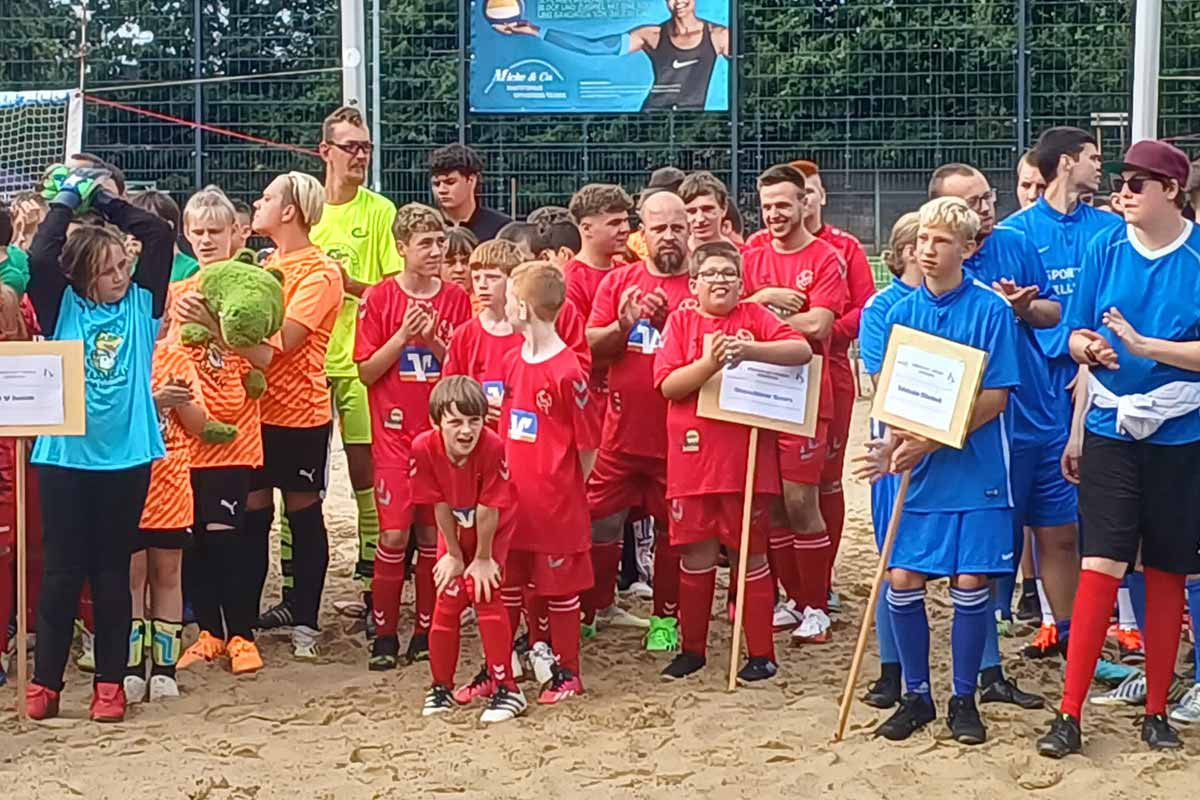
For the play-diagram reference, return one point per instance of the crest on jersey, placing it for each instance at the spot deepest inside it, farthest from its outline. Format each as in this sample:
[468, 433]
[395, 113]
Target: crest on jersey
[543, 401]
[395, 420]
[691, 441]
[216, 359]
[445, 330]
[690, 304]
[743, 335]
[804, 279]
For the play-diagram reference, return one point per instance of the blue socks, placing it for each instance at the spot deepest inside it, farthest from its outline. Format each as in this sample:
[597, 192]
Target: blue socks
[888, 654]
[991, 642]
[972, 619]
[1193, 604]
[1137, 597]
[911, 628]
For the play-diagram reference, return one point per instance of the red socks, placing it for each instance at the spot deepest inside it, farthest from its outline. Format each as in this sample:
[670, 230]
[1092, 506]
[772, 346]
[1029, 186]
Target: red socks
[445, 635]
[833, 511]
[606, 563]
[497, 638]
[386, 586]
[1164, 613]
[814, 553]
[513, 598]
[426, 591]
[564, 630]
[781, 556]
[666, 578]
[537, 617]
[1089, 626]
[757, 619]
[695, 607]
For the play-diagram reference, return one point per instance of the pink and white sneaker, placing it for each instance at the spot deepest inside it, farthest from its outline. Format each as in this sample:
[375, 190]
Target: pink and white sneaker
[563, 684]
[481, 686]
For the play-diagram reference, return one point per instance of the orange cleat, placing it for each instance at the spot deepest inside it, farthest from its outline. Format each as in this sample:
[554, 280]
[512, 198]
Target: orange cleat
[207, 648]
[243, 656]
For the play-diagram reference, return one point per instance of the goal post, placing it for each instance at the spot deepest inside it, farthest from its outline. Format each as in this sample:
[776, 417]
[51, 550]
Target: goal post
[37, 129]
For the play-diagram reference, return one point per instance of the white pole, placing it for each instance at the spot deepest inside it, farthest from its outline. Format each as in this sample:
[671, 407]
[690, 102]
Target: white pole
[354, 48]
[377, 102]
[1146, 47]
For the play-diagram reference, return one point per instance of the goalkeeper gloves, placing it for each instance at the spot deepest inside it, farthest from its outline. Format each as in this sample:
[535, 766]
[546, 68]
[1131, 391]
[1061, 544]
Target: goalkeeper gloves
[75, 189]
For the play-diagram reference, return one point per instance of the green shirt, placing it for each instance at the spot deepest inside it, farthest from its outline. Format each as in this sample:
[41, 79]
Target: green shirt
[358, 235]
[14, 270]
[183, 266]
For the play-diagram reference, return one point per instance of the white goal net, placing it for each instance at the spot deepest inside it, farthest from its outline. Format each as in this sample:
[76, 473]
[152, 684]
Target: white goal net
[37, 129]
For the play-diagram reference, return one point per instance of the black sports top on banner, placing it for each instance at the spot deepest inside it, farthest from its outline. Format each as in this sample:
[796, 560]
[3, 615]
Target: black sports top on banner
[681, 77]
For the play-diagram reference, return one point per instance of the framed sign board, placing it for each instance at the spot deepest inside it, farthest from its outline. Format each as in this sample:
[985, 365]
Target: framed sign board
[768, 396]
[928, 385]
[41, 389]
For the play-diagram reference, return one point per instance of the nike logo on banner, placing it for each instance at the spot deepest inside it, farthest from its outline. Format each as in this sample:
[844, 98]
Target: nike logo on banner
[677, 64]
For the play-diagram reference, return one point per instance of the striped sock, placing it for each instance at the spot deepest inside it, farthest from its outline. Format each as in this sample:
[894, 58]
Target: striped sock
[911, 625]
[972, 618]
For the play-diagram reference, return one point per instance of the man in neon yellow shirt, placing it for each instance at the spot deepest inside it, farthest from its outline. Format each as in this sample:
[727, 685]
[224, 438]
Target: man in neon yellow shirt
[355, 229]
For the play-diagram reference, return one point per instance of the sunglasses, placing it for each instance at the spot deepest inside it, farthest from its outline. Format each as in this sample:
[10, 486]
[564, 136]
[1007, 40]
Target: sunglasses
[353, 148]
[1136, 184]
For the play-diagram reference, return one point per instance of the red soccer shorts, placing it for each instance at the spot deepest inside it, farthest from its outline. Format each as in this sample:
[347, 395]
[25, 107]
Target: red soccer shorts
[698, 518]
[620, 482]
[468, 543]
[393, 498]
[839, 428]
[801, 459]
[550, 574]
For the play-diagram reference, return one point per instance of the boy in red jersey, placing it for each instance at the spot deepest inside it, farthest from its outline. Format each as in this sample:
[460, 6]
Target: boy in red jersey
[802, 280]
[550, 453]
[404, 328]
[460, 470]
[705, 479]
[630, 310]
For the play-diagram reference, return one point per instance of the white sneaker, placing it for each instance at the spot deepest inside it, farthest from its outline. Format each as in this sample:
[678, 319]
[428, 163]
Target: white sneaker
[786, 616]
[86, 660]
[814, 626]
[1188, 710]
[639, 589]
[835, 602]
[1130, 692]
[304, 643]
[135, 689]
[616, 616]
[543, 661]
[467, 617]
[162, 687]
[504, 705]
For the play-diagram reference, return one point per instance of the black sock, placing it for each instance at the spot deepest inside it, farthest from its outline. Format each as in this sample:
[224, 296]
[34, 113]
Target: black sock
[990, 675]
[255, 544]
[1029, 589]
[202, 563]
[234, 587]
[890, 671]
[310, 560]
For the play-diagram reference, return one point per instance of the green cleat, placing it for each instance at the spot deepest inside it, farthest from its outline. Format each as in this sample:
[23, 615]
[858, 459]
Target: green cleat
[588, 632]
[663, 635]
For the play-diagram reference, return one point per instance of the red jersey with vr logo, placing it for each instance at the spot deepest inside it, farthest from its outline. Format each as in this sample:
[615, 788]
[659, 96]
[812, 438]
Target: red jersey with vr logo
[399, 400]
[636, 420]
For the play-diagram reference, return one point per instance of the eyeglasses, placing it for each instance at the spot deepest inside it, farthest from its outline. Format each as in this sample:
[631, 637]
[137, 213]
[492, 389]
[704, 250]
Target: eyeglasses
[980, 200]
[1136, 184]
[353, 148]
[711, 276]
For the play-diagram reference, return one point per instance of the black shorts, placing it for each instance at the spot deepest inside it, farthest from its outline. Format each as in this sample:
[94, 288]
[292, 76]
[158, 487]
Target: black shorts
[221, 495]
[177, 539]
[294, 459]
[1137, 495]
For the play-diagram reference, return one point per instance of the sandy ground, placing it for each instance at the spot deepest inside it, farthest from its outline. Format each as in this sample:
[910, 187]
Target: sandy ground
[335, 730]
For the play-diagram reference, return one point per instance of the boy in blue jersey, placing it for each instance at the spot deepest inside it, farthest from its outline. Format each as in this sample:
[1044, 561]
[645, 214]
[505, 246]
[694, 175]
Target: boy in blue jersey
[1134, 323]
[1060, 227]
[957, 521]
[901, 260]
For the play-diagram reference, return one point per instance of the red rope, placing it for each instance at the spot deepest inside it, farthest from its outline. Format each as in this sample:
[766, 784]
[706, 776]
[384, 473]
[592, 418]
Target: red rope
[91, 98]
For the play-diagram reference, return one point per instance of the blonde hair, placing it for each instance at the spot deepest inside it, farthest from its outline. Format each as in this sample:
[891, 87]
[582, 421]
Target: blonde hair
[540, 286]
[85, 255]
[904, 234]
[305, 193]
[952, 214]
[212, 203]
[414, 218]
[498, 254]
[12, 321]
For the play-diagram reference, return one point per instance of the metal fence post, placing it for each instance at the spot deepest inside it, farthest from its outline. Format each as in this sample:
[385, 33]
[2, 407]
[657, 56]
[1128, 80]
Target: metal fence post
[1022, 80]
[735, 101]
[878, 214]
[198, 97]
[464, 19]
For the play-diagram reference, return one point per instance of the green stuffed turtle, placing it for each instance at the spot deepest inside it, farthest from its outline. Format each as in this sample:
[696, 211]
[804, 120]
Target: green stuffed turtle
[248, 304]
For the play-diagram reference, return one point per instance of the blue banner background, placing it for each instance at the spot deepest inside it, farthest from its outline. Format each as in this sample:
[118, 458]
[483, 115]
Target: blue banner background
[500, 64]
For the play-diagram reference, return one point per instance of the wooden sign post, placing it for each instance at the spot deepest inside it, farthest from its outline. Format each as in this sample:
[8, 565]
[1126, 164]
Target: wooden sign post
[41, 394]
[928, 386]
[767, 396]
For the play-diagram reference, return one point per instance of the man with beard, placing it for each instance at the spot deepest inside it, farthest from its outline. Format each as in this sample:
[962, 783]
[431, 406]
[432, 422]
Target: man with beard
[625, 329]
[802, 279]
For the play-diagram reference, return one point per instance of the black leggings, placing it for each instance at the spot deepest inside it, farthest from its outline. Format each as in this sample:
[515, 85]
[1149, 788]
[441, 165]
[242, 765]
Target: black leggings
[89, 518]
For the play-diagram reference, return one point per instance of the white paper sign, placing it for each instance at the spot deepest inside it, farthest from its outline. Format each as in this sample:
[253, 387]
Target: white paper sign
[766, 390]
[924, 387]
[31, 390]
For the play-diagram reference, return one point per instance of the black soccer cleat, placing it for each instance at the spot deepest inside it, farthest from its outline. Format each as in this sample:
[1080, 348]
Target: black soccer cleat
[1006, 690]
[1063, 739]
[963, 719]
[682, 665]
[1158, 733]
[915, 712]
[1029, 608]
[385, 652]
[418, 648]
[757, 668]
[276, 617]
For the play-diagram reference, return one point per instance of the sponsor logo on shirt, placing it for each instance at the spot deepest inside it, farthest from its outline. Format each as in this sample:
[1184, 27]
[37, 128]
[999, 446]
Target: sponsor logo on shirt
[394, 420]
[691, 441]
[677, 64]
[522, 425]
[420, 365]
[465, 517]
[494, 392]
[644, 338]
[358, 232]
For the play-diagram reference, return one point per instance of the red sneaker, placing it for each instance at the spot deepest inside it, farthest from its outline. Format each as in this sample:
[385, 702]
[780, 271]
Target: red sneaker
[40, 702]
[563, 684]
[108, 703]
[482, 686]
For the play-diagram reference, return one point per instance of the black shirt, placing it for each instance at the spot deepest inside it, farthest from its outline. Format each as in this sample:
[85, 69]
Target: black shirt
[485, 223]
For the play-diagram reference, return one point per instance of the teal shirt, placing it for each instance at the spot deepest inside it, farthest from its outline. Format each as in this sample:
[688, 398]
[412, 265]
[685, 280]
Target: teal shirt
[183, 266]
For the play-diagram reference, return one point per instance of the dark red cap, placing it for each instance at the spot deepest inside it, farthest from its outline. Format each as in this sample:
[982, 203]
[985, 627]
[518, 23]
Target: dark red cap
[809, 168]
[1156, 157]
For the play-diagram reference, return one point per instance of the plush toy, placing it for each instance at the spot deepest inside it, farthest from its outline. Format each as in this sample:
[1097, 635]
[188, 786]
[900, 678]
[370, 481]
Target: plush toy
[247, 302]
